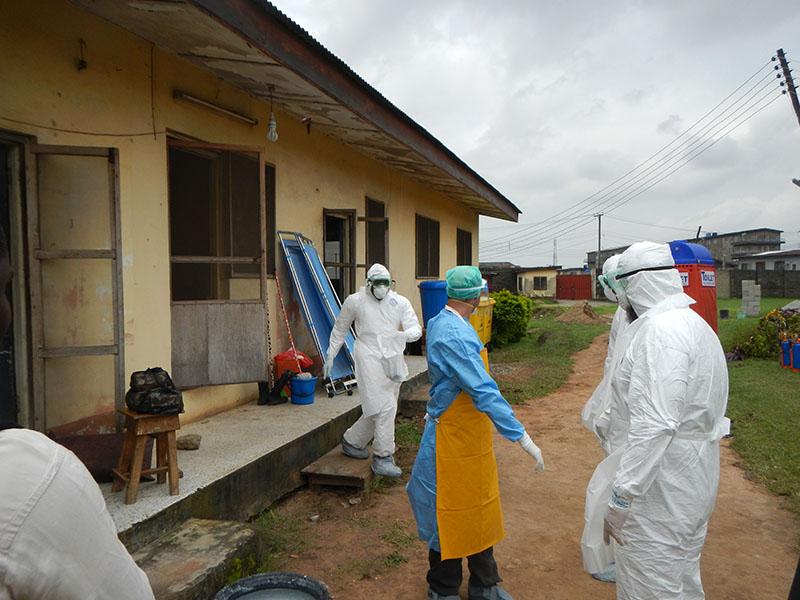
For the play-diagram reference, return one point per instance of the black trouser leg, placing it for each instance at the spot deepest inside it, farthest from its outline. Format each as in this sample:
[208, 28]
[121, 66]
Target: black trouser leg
[444, 576]
[794, 593]
[483, 569]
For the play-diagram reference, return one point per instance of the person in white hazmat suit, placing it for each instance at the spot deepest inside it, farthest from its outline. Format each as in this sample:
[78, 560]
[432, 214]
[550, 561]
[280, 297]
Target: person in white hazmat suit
[673, 386]
[385, 322]
[600, 416]
[595, 414]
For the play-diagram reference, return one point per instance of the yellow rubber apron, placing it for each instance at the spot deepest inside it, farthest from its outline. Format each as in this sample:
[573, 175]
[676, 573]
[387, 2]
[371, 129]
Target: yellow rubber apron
[468, 510]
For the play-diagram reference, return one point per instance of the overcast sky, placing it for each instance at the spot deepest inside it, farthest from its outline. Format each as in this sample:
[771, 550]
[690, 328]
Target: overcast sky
[552, 101]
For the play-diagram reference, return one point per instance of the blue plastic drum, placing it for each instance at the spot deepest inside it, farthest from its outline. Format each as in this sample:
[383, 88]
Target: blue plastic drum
[434, 297]
[274, 586]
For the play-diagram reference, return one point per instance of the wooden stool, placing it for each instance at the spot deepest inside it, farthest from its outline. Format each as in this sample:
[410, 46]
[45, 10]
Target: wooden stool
[129, 469]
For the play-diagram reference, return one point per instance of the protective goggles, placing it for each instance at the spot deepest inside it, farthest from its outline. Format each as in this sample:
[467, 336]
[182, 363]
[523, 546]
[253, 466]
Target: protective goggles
[621, 279]
[382, 282]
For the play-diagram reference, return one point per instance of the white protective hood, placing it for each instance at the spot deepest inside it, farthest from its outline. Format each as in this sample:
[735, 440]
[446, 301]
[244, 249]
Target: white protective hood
[645, 289]
[378, 271]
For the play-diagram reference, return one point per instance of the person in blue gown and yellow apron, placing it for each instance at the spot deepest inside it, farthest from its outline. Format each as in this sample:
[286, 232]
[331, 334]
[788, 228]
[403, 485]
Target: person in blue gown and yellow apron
[453, 489]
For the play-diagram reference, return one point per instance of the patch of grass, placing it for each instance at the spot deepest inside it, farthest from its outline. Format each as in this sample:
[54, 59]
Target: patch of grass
[407, 433]
[394, 559]
[606, 308]
[546, 351]
[278, 535]
[734, 331]
[765, 408]
[363, 521]
[399, 536]
[767, 304]
[366, 568]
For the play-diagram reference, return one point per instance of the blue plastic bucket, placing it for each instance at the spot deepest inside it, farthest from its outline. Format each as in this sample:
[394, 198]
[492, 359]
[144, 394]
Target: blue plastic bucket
[434, 297]
[303, 390]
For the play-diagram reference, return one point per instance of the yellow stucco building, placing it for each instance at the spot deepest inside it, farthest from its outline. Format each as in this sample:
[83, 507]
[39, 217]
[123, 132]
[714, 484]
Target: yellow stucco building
[142, 197]
[537, 282]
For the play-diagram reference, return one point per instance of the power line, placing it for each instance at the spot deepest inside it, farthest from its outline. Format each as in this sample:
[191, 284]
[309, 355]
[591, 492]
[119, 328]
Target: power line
[572, 209]
[635, 193]
[670, 159]
[642, 185]
[635, 222]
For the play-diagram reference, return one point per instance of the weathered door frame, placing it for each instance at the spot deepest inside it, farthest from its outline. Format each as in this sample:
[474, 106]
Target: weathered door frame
[366, 219]
[36, 256]
[18, 254]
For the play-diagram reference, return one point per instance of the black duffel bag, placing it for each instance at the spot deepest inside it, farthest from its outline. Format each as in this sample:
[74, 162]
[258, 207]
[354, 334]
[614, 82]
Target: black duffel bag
[153, 392]
[151, 379]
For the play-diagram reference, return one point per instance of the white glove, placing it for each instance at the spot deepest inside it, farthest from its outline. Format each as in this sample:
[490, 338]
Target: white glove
[527, 444]
[328, 367]
[616, 515]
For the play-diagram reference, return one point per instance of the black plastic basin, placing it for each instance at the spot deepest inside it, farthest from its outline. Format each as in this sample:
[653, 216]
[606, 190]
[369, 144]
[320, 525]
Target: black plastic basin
[274, 586]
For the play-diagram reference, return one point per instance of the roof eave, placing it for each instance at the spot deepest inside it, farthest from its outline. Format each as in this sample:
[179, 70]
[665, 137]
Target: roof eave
[272, 32]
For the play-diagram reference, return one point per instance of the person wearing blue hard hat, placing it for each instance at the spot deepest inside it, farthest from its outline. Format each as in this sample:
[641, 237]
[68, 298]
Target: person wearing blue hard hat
[453, 489]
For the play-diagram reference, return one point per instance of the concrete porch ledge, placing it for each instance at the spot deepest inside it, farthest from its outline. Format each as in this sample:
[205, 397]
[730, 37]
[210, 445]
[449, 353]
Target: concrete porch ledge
[249, 457]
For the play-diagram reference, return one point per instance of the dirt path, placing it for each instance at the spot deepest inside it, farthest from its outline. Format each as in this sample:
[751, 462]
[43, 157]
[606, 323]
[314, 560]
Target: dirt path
[368, 550]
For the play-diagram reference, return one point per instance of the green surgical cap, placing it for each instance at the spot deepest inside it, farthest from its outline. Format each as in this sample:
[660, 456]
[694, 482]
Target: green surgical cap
[464, 282]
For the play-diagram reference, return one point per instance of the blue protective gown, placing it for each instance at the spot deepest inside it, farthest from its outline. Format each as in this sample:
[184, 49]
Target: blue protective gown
[454, 365]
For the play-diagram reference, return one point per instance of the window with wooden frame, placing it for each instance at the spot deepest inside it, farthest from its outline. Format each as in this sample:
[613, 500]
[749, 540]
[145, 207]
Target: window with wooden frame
[427, 253]
[377, 226]
[272, 202]
[463, 247]
[540, 284]
[215, 224]
[339, 249]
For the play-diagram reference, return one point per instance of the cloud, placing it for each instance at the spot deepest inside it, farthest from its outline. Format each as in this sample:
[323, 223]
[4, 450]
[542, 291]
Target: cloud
[553, 101]
[671, 125]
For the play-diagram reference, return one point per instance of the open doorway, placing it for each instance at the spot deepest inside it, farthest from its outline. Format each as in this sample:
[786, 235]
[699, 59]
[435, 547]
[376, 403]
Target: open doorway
[8, 393]
[339, 255]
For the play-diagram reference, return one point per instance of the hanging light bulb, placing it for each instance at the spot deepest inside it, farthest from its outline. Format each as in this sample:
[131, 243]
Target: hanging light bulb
[272, 127]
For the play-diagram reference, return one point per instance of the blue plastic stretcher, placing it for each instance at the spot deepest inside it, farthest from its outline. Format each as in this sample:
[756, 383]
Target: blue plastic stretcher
[320, 305]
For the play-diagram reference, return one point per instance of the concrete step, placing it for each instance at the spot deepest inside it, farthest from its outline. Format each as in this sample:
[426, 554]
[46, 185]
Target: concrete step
[194, 560]
[414, 402]
[337, 470]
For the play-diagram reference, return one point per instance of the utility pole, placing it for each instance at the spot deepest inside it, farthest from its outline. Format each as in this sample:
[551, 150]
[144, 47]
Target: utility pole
[555, 252]
[597, 266]
[787, 74]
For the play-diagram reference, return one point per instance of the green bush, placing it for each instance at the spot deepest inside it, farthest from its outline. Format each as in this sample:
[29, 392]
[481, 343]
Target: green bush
[765, 341]
[510, 317]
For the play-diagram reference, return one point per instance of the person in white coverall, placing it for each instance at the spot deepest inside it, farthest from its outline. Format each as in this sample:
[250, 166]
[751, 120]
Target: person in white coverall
[596, 412]
[600, 416]
[57, 540]
[673, 386]
[385, 322]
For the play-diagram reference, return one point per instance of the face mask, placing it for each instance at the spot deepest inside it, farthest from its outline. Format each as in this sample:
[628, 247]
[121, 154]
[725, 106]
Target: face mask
[380, 291]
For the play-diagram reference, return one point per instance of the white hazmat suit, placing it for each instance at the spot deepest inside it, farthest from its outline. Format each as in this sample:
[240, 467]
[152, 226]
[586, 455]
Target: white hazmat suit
[673, 386]
[57, 539]
[383, 327]
[601, 416]
[596, 413]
